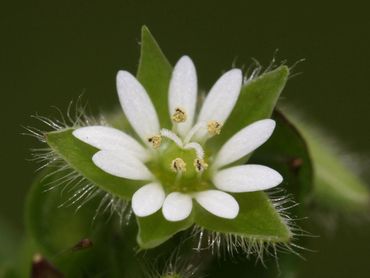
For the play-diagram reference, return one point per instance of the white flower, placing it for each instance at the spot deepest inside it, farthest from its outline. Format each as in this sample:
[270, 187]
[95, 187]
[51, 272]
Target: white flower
[173, 162]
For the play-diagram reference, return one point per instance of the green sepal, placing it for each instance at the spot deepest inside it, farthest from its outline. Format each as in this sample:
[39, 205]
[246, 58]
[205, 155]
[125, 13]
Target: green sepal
[79, 155]
[154, 73]
[257, 219]
[155, 229]
[256, 101]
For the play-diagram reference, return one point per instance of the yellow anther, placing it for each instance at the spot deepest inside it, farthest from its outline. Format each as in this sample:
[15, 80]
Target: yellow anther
[155, 141]
[214, 128]
[200, 165]
[179, 116]
[178, 165]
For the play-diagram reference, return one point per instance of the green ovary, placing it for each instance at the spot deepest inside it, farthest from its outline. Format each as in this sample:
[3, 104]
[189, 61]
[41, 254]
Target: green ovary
[174, 168]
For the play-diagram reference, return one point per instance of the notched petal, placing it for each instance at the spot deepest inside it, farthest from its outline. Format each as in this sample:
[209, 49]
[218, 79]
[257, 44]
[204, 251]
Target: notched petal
[218, 203]
[247, 178]
[137, 106]
[121, 164]
[221, 100]
[177, 206]
[111, 139]
[222, 97]
[244, 142]
[183, 94]
[148, 199]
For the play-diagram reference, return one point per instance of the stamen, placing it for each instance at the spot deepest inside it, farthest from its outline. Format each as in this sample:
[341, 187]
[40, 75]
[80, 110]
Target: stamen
[214, 128]
[172, 136]
[178, 165]
[179, 116]
[197, 147]
[155, 141]
[200, 165]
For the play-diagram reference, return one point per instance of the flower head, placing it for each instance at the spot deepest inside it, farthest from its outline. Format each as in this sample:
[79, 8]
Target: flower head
[175, 163]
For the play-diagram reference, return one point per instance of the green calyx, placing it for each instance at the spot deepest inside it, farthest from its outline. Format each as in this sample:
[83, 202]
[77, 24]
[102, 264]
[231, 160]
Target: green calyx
[179, 169]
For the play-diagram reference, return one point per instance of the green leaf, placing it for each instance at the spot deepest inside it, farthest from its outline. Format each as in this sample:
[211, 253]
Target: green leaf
[53, 227]
[79, 156]
[257, 219]
[154, 73]
[57, 231]
[154, 229]
[256, 102]
[337, 187]
[287, 152]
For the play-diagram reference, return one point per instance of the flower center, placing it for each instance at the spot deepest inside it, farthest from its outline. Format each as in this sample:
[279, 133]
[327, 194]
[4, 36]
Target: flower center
[179, 167]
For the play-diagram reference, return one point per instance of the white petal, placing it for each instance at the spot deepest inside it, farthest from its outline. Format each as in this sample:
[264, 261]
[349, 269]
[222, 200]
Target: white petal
[177, 206]
[244, 142]
[183, 92]
[148, 199]
[221, 99]
[137, 106]
[122, 164]
[218, 203]
[111, 139]
[247, 178]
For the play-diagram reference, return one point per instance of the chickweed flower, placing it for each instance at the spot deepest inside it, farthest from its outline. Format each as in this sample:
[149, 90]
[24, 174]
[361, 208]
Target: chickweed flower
[175, 163]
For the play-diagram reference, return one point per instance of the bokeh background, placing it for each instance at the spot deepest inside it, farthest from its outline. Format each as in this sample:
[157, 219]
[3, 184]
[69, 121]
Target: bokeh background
[53, 51]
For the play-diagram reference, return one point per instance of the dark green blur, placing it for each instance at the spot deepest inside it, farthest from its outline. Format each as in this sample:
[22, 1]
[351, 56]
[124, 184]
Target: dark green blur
[53, 51]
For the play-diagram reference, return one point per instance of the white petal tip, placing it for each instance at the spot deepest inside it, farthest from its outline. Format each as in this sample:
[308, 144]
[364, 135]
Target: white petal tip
[244, 142]
[177, 206]
[148, 199]
[122, 74]
[108, 138]
[269, 123]
[137, 105]
[236, 73]
[185, 59]
[279, 179]
[221, 99]
[247, 178]
[218, 203]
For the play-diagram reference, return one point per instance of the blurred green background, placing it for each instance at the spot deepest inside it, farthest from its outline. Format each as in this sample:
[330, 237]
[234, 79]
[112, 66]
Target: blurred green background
[53, 51]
